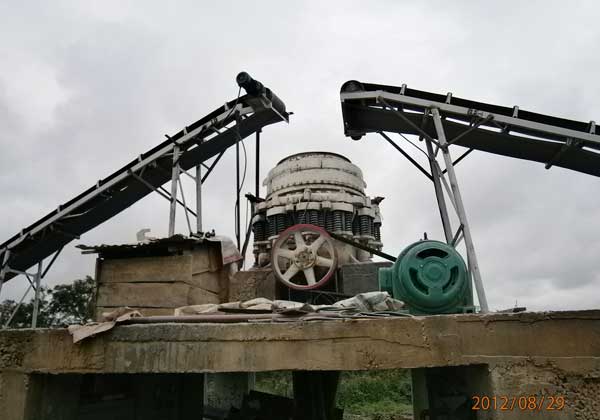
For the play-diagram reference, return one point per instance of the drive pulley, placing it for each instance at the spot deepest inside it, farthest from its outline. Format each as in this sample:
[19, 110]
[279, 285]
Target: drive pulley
[303, 257]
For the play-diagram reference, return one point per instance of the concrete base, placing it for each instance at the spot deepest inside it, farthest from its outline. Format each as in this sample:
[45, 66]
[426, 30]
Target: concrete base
[226, 390]
[547, 355]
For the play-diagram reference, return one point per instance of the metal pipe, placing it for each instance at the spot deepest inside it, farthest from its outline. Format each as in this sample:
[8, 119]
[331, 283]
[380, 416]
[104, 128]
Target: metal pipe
[460, 209]
[221, 317]
[36, 299]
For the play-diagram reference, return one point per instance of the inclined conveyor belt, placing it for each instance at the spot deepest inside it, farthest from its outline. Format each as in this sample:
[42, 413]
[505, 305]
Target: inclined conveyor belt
[197, 143]
[506, 131]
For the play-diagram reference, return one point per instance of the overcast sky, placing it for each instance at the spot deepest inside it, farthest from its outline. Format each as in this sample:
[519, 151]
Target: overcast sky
[85, 87]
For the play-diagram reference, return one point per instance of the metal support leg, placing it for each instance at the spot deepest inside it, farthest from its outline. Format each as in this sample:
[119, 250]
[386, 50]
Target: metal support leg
[14, 312]
[472, 257]
[174, 178]
[439, 193]
[198, 199]
[4, 268]
[257, 182]
[36, 299]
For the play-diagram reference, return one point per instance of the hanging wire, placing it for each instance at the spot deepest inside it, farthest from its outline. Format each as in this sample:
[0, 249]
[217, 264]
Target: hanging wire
[234, 105]
[414, 145]
[241, 184]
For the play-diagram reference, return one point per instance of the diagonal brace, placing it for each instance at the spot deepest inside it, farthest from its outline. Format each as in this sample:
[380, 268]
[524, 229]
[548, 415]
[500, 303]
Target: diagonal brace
[408, 121]
[406, 155]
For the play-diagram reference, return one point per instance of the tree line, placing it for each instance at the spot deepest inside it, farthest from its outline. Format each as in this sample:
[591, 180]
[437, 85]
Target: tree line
[61, 305]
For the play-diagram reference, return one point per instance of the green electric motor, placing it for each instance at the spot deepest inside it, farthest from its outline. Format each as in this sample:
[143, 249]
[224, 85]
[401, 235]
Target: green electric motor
[431, 278]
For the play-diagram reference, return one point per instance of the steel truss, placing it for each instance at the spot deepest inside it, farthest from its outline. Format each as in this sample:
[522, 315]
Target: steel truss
[452, 193]
[206, 139]
[442, 121]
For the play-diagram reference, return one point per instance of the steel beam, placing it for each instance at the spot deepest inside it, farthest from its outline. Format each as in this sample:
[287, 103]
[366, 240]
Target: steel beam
[462, 215]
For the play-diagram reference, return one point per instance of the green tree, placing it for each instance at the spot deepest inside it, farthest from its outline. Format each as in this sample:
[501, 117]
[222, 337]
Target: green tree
[73, 303]
[59, 306]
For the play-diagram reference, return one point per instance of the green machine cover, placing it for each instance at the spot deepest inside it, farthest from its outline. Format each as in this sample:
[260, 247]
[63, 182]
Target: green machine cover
[431, 278]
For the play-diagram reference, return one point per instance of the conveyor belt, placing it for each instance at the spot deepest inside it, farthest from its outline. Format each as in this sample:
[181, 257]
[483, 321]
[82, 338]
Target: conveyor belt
[204, 139]
[495, 129]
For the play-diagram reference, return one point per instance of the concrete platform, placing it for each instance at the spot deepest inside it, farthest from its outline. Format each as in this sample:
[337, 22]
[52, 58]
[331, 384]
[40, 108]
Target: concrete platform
[554, 353]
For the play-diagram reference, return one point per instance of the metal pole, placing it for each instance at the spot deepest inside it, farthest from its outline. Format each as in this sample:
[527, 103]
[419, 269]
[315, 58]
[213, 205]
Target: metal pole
[460, 209]
[198, 198]
[36, 300]
[4, 267]
[257, 193]
[439, 193]
[174, 178]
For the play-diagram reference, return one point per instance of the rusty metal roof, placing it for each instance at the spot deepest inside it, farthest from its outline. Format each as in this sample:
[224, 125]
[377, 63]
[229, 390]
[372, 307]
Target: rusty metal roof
[151, 247]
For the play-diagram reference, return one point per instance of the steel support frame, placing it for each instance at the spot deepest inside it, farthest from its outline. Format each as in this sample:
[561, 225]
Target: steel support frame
[34, 284]
[457, 201]
[174, 183]
[36, 299]
[105, 189]
[452, 191]
[199, 199]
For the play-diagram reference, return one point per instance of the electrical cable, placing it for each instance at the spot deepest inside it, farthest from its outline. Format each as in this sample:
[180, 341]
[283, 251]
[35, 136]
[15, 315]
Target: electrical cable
[414, 145]
[234, 105]
[241, 183]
